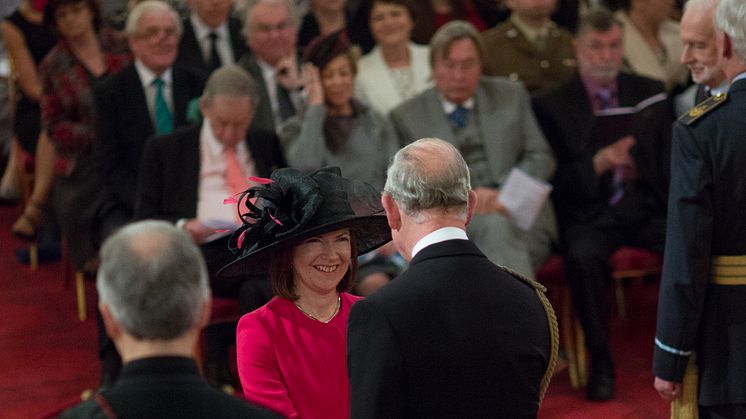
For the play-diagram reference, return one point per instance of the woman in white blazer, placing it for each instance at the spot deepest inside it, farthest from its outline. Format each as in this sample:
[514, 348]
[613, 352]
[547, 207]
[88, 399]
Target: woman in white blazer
[396, 69]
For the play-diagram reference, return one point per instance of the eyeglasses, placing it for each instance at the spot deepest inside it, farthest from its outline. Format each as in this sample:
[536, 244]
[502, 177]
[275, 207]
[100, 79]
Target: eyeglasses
[265, 29]
[155, 33]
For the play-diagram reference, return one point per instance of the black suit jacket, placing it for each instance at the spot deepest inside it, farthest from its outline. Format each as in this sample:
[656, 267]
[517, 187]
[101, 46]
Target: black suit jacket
[455, 336]
[124, 123]
[169, 181]
[264, 119]
[190, 54]
[163, 387]
[566, 116]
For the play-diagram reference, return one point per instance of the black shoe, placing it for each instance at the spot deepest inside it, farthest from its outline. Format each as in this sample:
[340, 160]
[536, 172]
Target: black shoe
[601, 383]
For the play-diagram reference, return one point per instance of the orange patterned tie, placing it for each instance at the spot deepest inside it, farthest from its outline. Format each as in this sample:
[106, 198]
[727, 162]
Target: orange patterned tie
[235, 179]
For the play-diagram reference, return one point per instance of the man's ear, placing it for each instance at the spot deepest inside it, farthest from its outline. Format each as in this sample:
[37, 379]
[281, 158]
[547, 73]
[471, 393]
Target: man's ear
[392, 211]
[205, 314]
[727, 46]
[472, 204]
[113, 329]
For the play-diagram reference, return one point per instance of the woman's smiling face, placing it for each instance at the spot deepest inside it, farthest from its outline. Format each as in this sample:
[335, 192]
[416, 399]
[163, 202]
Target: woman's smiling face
[320, 262]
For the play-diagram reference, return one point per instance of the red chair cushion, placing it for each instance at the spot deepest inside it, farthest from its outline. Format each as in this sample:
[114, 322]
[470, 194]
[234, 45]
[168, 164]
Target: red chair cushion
[224, 309]
[634, 258]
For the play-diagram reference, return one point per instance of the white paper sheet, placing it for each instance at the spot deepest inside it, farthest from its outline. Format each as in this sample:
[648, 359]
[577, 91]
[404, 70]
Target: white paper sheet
[523, 196]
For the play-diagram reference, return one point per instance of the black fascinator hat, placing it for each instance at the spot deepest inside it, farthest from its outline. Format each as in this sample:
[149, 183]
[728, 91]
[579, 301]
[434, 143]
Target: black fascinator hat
[292, 206]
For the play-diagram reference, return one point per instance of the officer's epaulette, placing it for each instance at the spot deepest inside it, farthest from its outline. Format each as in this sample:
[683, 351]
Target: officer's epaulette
[703, 108]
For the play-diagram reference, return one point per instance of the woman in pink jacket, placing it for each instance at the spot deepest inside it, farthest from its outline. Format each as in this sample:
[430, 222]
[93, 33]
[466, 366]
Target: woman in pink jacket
[302, 232]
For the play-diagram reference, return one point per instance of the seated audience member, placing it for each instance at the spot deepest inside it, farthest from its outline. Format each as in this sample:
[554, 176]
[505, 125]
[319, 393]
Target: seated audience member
[186, 176]
[652, 46]
[155, 300]
[212, 37]
[83, 57]
[396, 69]
[147, 97]
[27, 41]
[529, 47]
[324, 18]
[699, 55]
[305, 231]
[606, 194]
[490, 121]
[271, 29]
[338, 130]
[455, 336]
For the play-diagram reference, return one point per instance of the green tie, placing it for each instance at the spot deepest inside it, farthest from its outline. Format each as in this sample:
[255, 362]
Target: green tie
[164, 122]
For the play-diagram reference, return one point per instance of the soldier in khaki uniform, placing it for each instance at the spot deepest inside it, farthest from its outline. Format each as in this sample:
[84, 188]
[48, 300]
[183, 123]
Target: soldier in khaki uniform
[529, 47]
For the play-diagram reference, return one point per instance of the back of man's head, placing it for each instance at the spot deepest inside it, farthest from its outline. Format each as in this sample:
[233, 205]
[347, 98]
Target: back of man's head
[429, 175]
[153, 280]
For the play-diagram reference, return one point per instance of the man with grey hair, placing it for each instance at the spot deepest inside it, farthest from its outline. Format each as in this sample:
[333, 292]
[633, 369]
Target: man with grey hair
[147, 97]
[186, 176]
[154, 299]
[490, 121]
[455, 336]
[697, 32]
[703, 286]
[271, 30]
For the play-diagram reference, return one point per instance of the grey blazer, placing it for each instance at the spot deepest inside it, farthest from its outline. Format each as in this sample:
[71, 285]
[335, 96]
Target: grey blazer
[511, 135]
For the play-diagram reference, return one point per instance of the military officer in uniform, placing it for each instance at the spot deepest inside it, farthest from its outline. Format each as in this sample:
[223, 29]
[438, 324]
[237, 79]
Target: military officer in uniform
[703, 289]
[529, 47]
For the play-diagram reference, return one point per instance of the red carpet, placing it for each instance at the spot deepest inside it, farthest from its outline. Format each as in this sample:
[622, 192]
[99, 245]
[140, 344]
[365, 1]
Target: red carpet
[47, 356]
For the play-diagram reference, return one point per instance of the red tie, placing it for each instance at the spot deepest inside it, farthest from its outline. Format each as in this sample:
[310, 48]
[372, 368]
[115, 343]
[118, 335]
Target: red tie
[235, 179]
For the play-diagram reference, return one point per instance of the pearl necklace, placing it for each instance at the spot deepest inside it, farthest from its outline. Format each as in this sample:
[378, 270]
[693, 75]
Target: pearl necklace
[336, 310]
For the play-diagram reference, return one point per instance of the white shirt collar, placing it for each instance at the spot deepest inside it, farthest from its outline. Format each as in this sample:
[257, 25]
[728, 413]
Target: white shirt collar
[723, 88]
[739, 77]
[449, 106]
[437, 236]
[147, 75]
[201, 30]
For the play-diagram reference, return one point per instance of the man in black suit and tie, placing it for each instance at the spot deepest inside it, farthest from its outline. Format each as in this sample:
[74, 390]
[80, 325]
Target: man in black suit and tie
[183, 177]
[148, 97]
[271, 29]
[605, 195]
[212, 37]
[455, 336]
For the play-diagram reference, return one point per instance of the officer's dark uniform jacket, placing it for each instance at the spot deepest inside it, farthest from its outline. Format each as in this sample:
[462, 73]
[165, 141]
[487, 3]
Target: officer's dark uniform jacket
[706, 221]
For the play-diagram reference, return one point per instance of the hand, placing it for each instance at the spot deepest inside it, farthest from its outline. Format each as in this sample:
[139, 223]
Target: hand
[613, 155]
[287, 74]
[487, 202]
[197, 230]
[312, 83]
[668, 390]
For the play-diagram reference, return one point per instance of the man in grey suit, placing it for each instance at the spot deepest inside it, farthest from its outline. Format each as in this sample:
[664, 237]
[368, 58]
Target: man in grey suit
[489, 119]
[271, 30]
